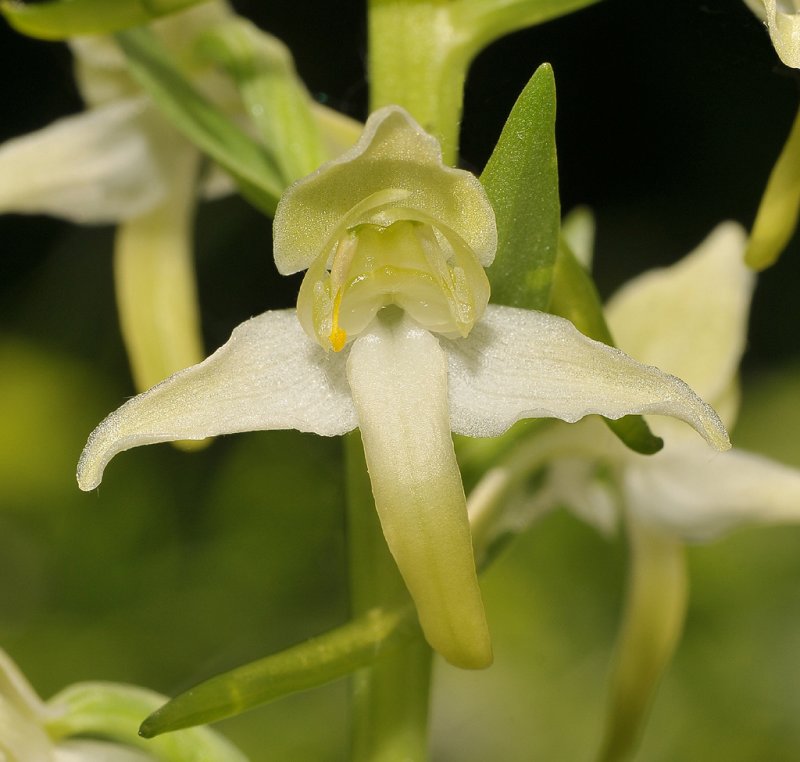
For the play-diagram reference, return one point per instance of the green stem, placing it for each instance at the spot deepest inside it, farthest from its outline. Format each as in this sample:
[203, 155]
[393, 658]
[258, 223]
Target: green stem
[655, 608]
[390, 698]
[417, 60]
[420, 51]
[778, 211]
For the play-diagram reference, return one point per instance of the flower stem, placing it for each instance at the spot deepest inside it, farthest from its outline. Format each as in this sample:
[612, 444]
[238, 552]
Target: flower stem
[655, 608]
[390, 698]
[417, 61]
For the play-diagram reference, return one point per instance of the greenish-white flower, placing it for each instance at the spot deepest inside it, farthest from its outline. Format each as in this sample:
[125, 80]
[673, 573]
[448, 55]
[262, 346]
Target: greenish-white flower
[92, 722]
[393, 334]
[782, 18]
[121, 161]
[690, 319]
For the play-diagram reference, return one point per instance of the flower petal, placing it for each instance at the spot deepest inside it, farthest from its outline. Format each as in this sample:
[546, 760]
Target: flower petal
[578, 230]
[691, 318]
[267, 376]
[523, 364]
[784, 28]
[398, 375]
[22, 736]
[699, 495]
[96, 167]
[397, 161]
[155, 282]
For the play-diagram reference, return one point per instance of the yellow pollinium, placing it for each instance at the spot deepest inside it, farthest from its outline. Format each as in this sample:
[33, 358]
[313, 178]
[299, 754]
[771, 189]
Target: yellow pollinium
[338, 337]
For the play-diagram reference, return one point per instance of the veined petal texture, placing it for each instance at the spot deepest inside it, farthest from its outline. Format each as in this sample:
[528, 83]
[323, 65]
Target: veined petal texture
[268, 375]
[524, 364]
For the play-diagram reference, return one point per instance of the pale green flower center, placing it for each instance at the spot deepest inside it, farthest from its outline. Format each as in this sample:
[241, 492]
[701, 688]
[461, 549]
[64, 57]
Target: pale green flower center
[383, 254]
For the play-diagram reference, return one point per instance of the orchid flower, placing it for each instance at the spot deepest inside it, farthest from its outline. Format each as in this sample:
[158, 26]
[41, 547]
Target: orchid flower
[393, 334]
[690, 319]
[92, 722]
[120, 161]
[782, 18]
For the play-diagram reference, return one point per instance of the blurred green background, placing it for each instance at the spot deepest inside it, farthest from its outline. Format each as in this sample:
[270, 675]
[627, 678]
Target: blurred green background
[182, 565]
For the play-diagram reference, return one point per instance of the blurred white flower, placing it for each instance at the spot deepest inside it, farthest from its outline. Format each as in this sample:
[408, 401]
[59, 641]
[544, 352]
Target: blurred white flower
[689, 319]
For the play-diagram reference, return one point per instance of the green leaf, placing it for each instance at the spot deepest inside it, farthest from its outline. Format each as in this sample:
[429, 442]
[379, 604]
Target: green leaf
[254, 169]
[574, 296]
[317, 661]
[777, 214]
[274, 95]
[60, 19]
[521, 180]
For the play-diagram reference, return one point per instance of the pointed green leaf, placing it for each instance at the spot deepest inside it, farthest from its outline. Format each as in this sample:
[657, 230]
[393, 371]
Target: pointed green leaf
[521, 180]
[574, 296]
[274, 95]
[319, 660]
[777, 214]
[60, 19]
[253, 168]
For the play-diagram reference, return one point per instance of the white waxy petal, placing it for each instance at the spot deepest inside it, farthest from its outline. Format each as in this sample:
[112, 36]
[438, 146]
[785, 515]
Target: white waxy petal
[21, 738]
[398, 376]
[524, 364]
[698, 495]
[783, 22]
[268, 375]
[100, 166]
[22, 712]
[690, 319]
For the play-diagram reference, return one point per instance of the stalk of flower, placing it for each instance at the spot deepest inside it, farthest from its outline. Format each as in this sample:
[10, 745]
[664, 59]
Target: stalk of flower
[393, 334]
[682, 494]
[779, 208]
